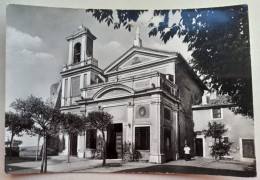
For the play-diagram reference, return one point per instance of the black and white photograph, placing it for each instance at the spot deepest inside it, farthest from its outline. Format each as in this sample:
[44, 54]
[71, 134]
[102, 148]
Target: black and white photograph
[129, 91]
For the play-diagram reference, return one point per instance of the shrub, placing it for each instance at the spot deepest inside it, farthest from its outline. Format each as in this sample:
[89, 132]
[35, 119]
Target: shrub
[219, 150]
[96, 154]
[130, 153]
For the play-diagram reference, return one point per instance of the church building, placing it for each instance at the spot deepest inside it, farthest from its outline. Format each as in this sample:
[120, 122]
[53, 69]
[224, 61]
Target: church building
[149, 93]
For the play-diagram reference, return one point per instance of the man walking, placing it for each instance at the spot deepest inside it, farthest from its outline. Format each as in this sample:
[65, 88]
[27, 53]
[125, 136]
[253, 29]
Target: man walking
[187, 155]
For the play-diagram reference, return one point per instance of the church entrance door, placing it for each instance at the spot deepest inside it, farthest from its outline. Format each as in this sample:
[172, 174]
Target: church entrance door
[114, 141]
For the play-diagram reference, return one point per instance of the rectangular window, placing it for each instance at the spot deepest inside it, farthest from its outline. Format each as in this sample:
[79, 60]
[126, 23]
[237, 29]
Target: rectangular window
[216, 113]
[167, 114]
[91, 138]
[142, 138]
[225, 139]
[75, 86]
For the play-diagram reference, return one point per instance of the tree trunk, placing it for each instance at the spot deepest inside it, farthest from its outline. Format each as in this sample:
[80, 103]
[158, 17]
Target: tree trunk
[104, 149]
[11, 149]
[43, 153]
[68, 158]
[45, 158]
[214, 149]
[37, 151]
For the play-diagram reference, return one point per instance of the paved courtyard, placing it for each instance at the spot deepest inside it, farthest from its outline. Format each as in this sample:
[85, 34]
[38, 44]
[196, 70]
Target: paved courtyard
[196, 166]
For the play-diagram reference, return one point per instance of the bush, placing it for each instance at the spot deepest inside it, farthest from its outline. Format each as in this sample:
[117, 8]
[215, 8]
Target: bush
[15, 151]
[219, 150]
[96, 154]
[130, 153]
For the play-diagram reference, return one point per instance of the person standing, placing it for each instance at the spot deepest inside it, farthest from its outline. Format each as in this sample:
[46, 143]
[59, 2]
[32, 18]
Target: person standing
[187, 155]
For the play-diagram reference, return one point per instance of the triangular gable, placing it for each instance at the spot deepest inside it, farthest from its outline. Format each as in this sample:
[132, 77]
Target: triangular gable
[137, 55]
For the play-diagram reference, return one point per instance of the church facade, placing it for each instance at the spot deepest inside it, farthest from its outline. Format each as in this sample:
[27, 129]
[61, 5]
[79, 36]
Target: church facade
[149, 93]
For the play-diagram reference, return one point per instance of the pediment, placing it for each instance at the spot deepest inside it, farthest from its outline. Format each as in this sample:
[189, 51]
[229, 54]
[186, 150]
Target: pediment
[137, 57]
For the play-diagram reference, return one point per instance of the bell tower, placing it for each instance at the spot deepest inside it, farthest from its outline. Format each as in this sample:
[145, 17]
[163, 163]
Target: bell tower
[81, 70]
[81, 48]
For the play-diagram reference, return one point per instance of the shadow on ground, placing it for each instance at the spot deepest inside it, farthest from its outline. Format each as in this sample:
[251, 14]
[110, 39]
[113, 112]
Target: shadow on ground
[18, 160]
[173, 169]
[19, 170]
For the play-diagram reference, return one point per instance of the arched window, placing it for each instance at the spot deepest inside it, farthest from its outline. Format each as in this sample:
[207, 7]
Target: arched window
[77, 50]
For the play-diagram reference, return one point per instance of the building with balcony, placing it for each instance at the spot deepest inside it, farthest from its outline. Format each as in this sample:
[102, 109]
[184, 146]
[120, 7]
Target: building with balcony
[149, 93]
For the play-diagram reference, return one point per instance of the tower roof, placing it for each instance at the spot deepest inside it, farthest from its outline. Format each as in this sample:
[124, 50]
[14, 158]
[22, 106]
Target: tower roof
[80, 31]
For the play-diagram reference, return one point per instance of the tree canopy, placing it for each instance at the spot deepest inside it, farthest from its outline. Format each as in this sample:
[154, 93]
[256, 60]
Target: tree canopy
[72, 124]
[216, 131]
[45, 117]
[100, 120]
[218, 39]
[16, 124]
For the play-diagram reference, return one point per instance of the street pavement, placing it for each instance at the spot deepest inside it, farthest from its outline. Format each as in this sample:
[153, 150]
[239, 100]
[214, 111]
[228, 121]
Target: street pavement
[196, 166]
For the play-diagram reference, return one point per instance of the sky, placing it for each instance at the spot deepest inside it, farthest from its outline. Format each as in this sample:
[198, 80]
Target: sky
[36, 48]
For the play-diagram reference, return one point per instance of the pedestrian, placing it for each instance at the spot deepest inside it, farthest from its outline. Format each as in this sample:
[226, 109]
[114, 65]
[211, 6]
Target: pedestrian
[187, 155]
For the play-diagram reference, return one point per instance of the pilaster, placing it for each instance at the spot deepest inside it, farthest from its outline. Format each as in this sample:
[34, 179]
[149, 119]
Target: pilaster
[129, 126]
[83, 49]
[69, 92]
[155, 133]
[70, 58]
[63, 92]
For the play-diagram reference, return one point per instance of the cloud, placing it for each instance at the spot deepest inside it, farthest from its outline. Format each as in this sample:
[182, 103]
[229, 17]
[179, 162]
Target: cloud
[17, 39]
[29, 57]
[113, 44]
[24, 48]
[29, 69]
[104, 50]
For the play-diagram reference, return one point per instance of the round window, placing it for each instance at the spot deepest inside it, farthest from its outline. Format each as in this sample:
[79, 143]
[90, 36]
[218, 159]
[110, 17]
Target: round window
[142, 111]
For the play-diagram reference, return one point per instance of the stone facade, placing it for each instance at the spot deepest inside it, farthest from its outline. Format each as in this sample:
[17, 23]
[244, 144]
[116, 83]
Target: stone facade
[240, 128]
[148, 92]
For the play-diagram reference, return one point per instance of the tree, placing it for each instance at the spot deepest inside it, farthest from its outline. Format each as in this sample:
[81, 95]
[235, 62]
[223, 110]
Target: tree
[16, 124]
[100, 120]
[216, 131]
[45, 117]
[72, 124]
[218, 39]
